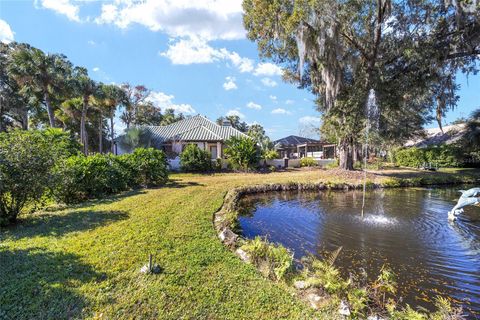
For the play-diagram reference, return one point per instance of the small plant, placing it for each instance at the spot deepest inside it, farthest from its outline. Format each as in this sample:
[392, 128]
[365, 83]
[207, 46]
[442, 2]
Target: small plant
[333, 165]
[194, 159]
[274, 261]
[308, 162]
[384, 288]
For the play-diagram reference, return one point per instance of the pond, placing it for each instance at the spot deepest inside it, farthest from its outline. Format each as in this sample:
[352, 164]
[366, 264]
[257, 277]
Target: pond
[406, 229]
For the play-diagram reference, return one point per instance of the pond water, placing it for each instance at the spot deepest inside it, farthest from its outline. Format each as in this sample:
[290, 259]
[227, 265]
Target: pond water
[406, 229]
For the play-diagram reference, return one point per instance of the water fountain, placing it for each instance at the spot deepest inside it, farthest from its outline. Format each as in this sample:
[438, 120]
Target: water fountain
[372, 116]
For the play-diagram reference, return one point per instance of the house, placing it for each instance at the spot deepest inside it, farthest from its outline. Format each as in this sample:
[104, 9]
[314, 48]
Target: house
[435, 137]
[294, 147]
[198, 129]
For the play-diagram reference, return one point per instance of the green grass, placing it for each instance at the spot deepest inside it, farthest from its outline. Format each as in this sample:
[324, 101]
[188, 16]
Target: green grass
[84, 261]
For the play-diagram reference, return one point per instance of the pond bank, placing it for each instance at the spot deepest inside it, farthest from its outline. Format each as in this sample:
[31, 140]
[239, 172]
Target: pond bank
[226, 219]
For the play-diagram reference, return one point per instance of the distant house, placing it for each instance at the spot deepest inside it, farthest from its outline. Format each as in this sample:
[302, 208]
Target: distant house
[294, 147]
[199, 130]
[435, 136]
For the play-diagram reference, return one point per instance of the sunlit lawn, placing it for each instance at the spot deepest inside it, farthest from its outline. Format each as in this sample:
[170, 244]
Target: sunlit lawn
[84, 261]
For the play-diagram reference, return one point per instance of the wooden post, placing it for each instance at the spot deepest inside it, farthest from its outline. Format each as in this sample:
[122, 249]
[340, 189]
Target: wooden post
[150, 263]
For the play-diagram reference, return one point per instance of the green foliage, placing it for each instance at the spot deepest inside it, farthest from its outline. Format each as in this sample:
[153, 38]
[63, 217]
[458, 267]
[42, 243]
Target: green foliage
[441, 156]
[242, 153]
[26, 161]
[80, 178]
[308, 162]
[135, 138]
[149, 167]
[274, 261]
[270, 155]
[194, 159]
[333, 165]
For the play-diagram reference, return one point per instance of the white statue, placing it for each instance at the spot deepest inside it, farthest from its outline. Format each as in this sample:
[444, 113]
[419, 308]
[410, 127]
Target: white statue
[468, 198]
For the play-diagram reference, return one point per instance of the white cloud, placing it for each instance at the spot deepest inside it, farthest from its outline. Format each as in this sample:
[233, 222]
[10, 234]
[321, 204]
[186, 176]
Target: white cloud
[96, 69]
[243, 64]
[267, 69]
[280, 111]
[206, 19]
[273, 98]
[91, 42]
[195, 50]
[309, 120]
[253, 105]
[190, 51]
[165, 101]
[269, 82]
[288, 101]
[235, 112]
[6, 33]
[229, 84]
[64, 7]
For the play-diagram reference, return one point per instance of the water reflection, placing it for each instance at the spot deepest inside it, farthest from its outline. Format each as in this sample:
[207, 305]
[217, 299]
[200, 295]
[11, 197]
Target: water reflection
[406, 229]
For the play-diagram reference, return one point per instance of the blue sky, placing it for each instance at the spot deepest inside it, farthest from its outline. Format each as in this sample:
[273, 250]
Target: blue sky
[193, 55]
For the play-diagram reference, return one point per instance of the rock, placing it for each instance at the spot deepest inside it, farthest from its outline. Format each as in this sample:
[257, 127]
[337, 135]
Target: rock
[228, 237]
[144, 269]
[242, 255]
[316, 301]
[344, 310]
[155, 269]
[300, 284]
[375, 317]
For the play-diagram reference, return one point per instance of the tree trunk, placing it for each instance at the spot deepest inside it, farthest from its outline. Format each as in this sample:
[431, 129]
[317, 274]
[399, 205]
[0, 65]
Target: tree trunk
[100, 135]
[83, 133]
[51, 115]
[1, 115]
[346, 155]
[112, 133]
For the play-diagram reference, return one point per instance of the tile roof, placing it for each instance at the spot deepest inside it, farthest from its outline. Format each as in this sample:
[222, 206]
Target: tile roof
[435, 137]
[293, 141]
[197, 128]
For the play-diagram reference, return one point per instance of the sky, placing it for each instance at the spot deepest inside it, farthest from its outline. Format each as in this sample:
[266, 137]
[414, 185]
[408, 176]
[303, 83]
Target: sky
[193, 55]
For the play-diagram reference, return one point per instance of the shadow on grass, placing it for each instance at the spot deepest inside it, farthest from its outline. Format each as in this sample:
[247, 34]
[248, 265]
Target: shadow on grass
[38, 284]
[175, 183]
[59, 224]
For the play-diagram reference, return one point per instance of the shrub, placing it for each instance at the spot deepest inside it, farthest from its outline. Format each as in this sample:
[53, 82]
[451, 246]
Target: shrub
[80, 178]
[149, 167]
[441, 156]
[274, 261]
[242, 153]
[26, 162]
[194, 159]
[308, 162]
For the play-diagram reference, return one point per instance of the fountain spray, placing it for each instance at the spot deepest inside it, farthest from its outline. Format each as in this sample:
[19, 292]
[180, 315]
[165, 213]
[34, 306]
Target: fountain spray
[372, 121]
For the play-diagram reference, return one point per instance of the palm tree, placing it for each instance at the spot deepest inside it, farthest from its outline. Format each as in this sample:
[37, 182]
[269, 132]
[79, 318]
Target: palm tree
[112, 97]
[86, 88]
[40, 75]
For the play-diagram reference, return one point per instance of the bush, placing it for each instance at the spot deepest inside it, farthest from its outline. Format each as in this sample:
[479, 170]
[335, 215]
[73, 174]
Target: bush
[149, 167]
[242, 153]
[194, 159]
[26, 162]
[308, 162]
[441, 156]
[80, 178]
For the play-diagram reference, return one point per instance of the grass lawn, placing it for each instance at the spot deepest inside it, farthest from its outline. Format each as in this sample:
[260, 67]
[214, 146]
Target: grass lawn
[84, 261]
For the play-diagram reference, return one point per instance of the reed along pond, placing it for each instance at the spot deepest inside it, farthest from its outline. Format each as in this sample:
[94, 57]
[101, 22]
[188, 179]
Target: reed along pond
[405, 229]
